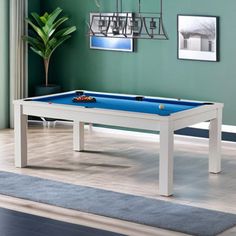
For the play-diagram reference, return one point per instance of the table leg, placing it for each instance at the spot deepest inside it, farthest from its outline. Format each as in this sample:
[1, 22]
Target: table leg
[215, 143]
[78, 136]
[166, 159]
[20, 132]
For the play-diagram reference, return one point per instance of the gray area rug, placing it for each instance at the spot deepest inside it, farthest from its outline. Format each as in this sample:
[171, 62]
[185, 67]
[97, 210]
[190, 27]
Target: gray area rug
[142, 210]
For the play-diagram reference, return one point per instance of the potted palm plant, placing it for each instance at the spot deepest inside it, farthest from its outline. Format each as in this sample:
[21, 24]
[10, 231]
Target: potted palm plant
[46, 34]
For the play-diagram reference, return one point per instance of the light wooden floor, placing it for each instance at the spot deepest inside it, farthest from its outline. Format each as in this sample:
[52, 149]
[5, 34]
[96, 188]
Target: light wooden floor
[120, 161]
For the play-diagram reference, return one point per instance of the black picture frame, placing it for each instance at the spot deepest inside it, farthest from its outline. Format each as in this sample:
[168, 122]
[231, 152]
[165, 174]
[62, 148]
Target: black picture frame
[198, 37]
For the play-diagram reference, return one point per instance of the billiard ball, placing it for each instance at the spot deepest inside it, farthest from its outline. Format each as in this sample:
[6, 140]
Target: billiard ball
[84, 98]
[161, 106]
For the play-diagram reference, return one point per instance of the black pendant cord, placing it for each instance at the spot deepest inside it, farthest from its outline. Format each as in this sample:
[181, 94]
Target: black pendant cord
[97, 3]
[161, 8]
[139, 7]
[117, 7]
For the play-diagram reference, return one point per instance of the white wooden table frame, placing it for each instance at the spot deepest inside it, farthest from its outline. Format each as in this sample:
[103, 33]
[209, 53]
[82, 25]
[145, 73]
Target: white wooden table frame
[165, 124]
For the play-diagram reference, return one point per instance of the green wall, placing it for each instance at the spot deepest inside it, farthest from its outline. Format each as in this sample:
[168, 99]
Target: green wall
[4, 81]
[154, 68]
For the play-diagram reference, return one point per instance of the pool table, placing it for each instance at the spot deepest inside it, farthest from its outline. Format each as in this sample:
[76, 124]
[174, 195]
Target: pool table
[133, 111]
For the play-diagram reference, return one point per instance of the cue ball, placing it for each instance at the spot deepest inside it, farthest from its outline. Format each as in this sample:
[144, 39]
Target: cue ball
[161, 106]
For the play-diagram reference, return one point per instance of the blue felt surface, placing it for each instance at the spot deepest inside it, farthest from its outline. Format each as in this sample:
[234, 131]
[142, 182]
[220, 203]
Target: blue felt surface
[129, 103]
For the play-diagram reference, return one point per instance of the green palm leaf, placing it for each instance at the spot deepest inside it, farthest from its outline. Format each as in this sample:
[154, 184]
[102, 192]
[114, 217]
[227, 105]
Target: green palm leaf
[65, 31]
[34, 42]
[57, 24]
[37, 29]
[40, 53]
[52, 17]
[55, 43]
[47, 34]
[37, 19]
[44, 18]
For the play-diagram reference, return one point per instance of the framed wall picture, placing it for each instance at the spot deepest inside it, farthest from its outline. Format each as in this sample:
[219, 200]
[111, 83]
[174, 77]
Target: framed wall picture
[198, 37]
[113, 43]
